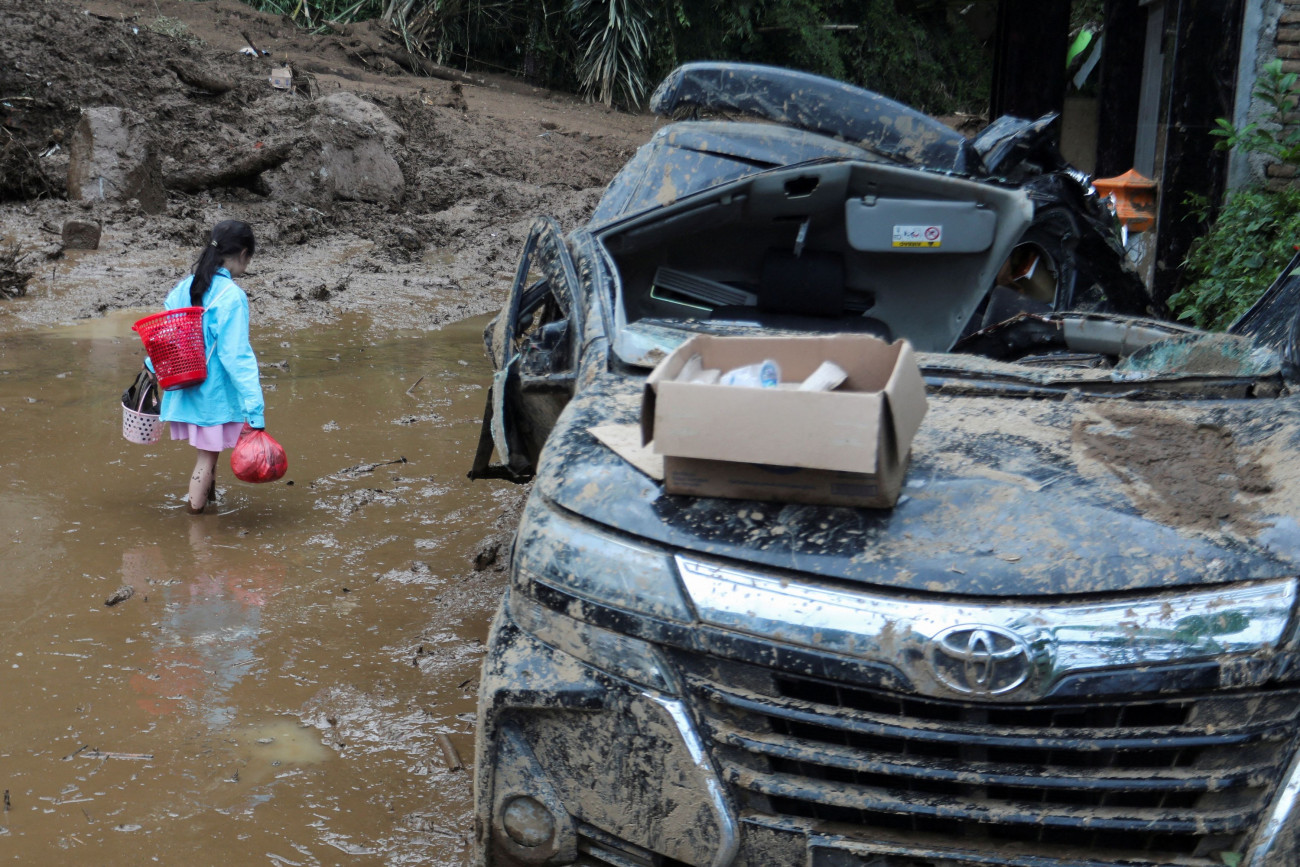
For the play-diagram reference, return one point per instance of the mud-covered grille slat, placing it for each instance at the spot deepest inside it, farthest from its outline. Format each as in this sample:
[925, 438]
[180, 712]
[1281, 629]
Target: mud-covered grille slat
[1151, 779]
[986, 774]
[798, 711]
[1029, 815]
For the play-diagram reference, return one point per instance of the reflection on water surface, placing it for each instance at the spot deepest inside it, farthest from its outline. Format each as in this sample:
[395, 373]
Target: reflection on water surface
[273, 689]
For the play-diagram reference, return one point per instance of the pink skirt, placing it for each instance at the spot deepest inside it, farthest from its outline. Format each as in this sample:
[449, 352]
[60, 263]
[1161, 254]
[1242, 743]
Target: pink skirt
[210, 439]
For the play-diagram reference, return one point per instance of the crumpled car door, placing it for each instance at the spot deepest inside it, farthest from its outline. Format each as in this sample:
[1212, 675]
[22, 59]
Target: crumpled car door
[534, 344]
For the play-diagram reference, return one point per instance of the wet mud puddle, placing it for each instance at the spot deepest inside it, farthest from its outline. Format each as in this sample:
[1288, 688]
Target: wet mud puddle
[283, 682]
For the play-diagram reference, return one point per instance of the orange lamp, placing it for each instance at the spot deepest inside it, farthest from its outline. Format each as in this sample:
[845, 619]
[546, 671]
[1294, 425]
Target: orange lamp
[1134, 196]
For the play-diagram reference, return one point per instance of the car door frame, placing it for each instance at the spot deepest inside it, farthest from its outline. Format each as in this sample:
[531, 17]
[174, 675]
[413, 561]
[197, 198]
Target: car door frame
[522, 401]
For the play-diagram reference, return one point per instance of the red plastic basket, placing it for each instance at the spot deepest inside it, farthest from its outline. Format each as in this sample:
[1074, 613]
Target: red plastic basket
[174, 341]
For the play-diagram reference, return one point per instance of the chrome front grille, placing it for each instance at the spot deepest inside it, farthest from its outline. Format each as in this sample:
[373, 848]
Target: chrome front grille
[1161, 780]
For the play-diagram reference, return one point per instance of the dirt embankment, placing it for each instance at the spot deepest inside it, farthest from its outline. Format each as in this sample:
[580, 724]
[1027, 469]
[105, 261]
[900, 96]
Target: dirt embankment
[371, 189]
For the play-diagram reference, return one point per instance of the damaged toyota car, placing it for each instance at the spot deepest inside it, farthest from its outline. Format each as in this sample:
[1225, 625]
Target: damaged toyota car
[1071, 641]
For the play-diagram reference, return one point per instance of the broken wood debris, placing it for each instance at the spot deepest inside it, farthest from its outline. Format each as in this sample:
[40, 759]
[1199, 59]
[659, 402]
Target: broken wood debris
[449, 754]
[123, 18]
[200, 79]
[240, 172]
[409, 60]
[370, 468]
[103, 754]
[86, 752]
[249, 40]
[14, 276]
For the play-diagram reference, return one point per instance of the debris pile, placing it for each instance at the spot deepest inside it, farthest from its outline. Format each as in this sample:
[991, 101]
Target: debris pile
[21, 174]
[14, 275]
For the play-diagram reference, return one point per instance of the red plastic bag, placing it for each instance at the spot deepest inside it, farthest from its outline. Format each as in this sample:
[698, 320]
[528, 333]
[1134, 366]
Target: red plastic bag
[257, 457]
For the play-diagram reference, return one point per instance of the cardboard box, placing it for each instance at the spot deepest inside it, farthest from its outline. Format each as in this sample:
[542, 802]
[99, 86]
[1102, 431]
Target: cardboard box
[847, 447]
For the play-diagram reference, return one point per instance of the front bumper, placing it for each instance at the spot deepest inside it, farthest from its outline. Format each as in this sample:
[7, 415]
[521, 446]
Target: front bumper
[650, 777]
[621, 768]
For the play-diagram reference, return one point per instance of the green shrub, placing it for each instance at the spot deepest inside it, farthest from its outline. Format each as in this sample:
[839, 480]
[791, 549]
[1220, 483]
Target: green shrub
[614, 60]
[1252, 239]
[930, 62]
[1277, 90]
[922, 53]
[319, 14]
[1256, 231]
[925, 56]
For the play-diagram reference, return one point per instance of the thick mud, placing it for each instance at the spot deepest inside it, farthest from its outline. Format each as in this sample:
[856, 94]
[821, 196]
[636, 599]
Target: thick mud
[290, 679]
[401, 196]
[281, 683]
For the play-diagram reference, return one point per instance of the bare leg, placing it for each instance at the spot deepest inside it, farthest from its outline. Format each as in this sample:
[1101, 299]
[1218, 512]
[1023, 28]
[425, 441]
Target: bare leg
[202, 480]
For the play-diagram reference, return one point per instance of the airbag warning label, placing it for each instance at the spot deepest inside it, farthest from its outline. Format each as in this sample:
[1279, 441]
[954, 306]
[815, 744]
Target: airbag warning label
[918, 236]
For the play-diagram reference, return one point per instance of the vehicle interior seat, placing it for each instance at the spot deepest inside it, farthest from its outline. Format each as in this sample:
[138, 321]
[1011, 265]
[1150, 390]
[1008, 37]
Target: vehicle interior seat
[810, 283]
[805, 292]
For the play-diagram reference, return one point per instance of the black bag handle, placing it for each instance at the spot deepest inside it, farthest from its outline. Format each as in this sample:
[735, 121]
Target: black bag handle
[145, 387]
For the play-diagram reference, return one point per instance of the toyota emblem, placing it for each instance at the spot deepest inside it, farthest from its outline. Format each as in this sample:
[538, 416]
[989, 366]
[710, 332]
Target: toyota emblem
[980, 660]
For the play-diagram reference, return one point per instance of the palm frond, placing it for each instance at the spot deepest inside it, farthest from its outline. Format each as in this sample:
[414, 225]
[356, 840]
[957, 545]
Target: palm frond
[616, 37]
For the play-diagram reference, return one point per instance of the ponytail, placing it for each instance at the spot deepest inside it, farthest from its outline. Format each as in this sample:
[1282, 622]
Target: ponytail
[229, 239]
[204, 270]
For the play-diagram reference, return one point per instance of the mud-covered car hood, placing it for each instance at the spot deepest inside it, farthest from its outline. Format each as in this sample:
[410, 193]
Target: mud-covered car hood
[1003, 497]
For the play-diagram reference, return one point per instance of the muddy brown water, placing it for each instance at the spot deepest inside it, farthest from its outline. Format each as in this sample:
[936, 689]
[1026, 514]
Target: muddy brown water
[275, 689]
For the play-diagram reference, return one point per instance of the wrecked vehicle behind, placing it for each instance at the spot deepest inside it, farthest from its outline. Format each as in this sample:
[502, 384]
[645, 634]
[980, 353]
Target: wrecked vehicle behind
[1072, 640]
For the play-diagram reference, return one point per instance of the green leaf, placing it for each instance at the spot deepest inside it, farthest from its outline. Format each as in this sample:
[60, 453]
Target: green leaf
[1249, 242]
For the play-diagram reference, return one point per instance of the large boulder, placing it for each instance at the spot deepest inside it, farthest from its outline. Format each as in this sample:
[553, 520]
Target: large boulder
[359, 169]
[347, 154]
[112, 157]
[353, 110]
[356, 138]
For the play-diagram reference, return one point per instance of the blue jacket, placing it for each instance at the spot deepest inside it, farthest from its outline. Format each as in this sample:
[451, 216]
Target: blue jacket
[233, 389]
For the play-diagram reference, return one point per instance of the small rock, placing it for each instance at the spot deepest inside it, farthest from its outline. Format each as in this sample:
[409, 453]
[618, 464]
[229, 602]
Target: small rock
[121, 594]
[81, 235]
[454, 97]
[409, 239]
[487, 556]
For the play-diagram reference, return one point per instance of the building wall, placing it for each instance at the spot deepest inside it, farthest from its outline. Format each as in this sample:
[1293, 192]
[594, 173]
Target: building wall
[1275, 28]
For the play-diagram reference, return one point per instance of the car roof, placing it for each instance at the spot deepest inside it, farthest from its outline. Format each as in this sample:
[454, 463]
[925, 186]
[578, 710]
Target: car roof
[819, 105]
[690, 156]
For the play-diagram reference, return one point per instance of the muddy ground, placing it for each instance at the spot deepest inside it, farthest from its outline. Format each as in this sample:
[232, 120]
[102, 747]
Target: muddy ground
[291, 678]
[435, 244]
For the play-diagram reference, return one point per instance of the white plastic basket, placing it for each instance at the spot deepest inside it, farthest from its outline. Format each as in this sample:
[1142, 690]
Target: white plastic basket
[140, 428]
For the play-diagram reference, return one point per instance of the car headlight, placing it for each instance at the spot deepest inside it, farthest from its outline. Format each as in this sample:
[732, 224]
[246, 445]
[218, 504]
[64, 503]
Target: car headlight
[575, 556]
[631, 659]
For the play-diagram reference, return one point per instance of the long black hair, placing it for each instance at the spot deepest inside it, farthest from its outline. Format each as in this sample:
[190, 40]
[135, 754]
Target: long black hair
[229, 239]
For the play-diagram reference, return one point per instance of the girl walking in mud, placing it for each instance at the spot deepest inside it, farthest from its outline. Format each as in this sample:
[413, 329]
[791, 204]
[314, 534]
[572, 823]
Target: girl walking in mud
[210, 415]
